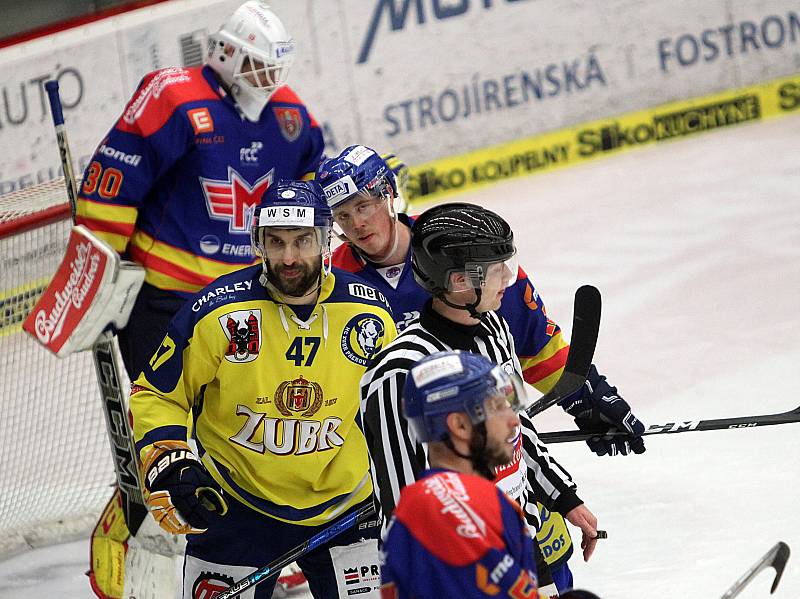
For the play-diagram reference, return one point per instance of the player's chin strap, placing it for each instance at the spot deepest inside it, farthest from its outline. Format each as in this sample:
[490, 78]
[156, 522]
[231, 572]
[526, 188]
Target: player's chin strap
[477, 448]
[471, 308]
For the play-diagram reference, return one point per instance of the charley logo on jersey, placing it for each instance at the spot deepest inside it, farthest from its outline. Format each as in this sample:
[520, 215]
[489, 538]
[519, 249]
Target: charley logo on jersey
[243, 330]
[234, 199]
[299, 395]
[362, 338]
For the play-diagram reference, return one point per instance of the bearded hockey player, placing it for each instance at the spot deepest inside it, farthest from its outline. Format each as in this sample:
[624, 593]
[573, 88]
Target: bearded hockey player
[265, 363]
[454, 533]
[173, 185]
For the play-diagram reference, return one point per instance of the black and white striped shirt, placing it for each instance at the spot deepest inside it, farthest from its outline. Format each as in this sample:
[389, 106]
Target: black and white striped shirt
[398, 458]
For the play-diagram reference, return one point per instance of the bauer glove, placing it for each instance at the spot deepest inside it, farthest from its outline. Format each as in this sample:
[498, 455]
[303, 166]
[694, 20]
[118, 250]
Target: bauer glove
[598, 409]
[181, 494]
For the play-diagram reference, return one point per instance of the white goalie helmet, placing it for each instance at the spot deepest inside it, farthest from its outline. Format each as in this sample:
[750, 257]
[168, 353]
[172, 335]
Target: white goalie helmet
[252, 53]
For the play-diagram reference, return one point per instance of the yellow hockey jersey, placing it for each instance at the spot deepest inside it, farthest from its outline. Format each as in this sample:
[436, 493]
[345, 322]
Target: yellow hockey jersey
[270, 391]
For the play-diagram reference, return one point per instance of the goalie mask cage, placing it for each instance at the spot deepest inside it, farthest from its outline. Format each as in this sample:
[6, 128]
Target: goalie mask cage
[56, 470]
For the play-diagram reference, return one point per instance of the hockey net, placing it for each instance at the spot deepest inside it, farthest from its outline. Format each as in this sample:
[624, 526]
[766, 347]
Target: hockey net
[56, 471]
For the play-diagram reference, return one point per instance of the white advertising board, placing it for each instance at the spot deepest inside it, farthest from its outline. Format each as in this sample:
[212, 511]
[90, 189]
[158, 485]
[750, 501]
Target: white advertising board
[423, 78]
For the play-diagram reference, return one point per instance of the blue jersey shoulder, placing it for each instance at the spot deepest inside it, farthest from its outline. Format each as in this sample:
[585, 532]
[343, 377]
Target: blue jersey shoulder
[352, 288]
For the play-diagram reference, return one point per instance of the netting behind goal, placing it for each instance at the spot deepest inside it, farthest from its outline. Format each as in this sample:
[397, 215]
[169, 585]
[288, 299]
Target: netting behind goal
[56, 471]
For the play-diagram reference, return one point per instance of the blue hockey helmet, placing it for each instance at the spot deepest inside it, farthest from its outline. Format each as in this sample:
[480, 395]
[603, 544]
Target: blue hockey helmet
[454, 381]
[301, 203]
[292, 204]
[359, 170]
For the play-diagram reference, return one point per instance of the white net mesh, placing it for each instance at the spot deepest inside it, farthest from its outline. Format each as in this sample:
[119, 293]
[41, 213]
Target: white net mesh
[56, 471]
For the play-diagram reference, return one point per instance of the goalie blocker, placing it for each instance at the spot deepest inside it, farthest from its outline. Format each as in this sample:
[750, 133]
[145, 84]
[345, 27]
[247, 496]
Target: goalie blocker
[92, 290]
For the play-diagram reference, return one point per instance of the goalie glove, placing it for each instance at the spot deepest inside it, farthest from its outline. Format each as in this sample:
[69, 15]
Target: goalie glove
[181, 495]
[597, 408]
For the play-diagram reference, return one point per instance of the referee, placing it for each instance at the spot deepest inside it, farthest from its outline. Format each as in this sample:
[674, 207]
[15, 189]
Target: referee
[464, 256]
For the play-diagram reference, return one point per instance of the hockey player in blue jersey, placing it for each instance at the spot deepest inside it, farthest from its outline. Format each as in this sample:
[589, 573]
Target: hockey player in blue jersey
[362, 189]
[454, 533]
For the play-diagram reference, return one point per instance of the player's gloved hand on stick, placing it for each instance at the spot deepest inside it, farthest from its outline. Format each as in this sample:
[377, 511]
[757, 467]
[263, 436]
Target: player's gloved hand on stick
[597, 408]
[181, 494]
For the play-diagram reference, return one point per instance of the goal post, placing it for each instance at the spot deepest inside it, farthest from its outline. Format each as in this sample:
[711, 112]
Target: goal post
[56, 471]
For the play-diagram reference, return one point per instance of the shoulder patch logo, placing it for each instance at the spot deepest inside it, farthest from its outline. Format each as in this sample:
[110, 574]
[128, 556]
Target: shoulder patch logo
[201, 121]
[362, 338]
[290, 121]
[299, 395]
[243, 330]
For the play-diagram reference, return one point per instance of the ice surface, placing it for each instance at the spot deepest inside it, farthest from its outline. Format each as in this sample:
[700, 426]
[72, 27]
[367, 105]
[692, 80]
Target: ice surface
[695, 246]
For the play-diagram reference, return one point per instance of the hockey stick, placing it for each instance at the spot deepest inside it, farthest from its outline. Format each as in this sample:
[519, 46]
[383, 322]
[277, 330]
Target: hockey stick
[585, 328]
[680, 427]
[105, 361]
[774, 558]
[274, 567]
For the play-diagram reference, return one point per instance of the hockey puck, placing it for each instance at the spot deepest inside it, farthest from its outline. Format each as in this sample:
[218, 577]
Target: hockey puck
[601, 534]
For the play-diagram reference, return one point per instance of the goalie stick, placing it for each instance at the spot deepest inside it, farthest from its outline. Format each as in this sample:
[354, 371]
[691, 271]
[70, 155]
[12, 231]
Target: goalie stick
[585, 328]
[774, 558]
[681, 427]
[105, 360]
[287, 558]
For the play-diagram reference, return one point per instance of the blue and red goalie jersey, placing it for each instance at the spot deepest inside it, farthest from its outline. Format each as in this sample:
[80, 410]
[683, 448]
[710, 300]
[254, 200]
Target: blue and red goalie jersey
[538, 341]
[174, 183]
[457, 535]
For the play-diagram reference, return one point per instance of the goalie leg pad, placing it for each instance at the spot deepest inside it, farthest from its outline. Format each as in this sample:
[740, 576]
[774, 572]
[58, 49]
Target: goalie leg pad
[108, 549]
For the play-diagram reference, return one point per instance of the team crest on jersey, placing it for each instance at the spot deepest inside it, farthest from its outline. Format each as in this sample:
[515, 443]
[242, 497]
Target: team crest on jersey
[290, 121]
[234, 199]
[299, 397]
[243, 330]
[362, 338]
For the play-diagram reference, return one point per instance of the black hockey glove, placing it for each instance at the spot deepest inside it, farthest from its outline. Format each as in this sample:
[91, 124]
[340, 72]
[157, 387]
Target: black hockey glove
[598, 409]
[181, 494]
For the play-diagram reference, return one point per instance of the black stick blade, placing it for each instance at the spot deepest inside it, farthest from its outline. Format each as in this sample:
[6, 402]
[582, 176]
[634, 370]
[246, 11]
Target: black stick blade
[779, 563]
[585, 329]
[775, 558]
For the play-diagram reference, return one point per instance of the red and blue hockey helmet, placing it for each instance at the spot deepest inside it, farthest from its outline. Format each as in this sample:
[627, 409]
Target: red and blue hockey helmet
[454, 381]
[359, 170]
